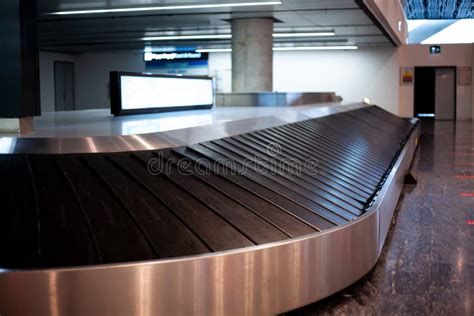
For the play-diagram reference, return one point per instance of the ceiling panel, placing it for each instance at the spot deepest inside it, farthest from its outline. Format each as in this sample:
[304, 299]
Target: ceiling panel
[83, 33]
[349, 17]
[48, 6]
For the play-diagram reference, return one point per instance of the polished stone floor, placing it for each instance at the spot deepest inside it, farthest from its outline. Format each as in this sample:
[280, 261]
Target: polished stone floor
[427, 265]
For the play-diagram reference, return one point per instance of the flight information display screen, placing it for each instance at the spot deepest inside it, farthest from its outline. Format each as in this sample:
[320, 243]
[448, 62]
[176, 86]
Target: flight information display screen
[143, 93]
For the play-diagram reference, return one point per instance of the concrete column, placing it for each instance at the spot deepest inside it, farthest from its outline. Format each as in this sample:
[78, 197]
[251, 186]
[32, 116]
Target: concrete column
[19, 65]
[252, 55]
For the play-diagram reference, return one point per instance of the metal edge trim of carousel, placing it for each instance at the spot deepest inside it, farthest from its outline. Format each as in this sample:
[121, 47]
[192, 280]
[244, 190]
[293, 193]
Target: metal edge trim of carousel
[267, 279]
[165, 139]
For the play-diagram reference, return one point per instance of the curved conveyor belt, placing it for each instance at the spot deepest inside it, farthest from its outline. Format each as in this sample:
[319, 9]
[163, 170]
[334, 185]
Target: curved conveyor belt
[206, 221]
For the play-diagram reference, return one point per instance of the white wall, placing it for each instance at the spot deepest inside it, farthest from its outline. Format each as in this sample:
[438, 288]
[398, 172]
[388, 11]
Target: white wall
[451, 55]
[92, 75]
[220, 68]
[47, 60]
[354, 75]
[368, 72]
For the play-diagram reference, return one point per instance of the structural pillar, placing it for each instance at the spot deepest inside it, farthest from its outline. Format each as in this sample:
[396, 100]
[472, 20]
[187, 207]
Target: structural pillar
[252, 55]
[19, 65]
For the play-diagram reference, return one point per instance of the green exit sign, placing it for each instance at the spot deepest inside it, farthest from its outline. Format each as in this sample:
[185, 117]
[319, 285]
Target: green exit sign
[435, 49]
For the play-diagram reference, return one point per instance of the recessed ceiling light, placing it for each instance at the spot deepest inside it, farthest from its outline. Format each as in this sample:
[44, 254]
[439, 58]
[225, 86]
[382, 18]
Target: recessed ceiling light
[187, 37]
[315, 48]
[162, 8]
[307, 34]
[227, 50]
[214, 50]
[229, 36]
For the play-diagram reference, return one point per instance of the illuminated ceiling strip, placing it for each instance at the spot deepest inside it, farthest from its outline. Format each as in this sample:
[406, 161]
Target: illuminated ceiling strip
[308, 34]
[162, 8]
[214, 50]
[187, 37]
[229, 36]
[315, 48]
[298, 48]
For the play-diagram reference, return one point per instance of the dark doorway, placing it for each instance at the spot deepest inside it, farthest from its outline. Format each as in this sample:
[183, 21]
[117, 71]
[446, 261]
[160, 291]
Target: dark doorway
[64, 86]
[425, 84]
[435, 92]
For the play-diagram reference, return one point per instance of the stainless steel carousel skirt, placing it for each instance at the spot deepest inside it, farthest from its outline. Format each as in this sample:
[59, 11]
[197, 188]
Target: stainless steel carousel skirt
[257, 223]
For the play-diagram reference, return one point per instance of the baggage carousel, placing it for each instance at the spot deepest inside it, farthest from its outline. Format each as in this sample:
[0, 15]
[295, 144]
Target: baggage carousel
[246, 220]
